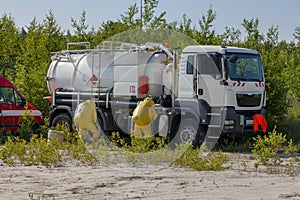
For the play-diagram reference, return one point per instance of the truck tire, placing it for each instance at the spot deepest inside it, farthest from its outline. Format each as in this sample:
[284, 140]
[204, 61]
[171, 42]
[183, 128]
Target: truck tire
[189, 132]
[63, 119]
[186, 132]
[200, 136]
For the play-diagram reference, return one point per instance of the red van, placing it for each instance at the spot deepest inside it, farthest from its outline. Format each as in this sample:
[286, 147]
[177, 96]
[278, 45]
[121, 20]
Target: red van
[13, 106]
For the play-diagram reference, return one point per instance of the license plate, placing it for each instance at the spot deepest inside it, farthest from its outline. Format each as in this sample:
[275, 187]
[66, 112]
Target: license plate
[249, 122]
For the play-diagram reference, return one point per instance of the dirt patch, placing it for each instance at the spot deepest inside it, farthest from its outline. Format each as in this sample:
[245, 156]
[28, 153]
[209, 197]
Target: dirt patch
[123, 181]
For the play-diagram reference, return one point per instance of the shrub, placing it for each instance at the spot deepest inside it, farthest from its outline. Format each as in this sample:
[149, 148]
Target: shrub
[27, 127]
[196, 159]
[38, 151]
[266, 147]
[266, 150]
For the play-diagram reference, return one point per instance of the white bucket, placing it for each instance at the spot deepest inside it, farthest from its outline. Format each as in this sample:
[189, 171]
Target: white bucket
[59, 135]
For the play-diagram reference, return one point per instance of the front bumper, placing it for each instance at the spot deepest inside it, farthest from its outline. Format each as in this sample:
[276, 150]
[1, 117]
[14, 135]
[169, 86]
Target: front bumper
[239, 122]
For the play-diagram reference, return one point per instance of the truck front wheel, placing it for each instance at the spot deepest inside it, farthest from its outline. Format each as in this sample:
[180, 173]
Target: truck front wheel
[189, 131]
[186, 132]
[63, 120]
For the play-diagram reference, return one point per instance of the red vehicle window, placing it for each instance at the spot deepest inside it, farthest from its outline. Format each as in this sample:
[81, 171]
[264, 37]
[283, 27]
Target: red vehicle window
[11, 108]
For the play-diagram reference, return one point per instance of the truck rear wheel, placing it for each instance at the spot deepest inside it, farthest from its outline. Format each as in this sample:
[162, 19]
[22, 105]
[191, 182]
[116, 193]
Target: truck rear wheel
[63, 120]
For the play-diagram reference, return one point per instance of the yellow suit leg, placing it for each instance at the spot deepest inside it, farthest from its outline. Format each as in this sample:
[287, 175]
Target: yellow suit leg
[82, 133]
[93, 129]
[138, 131]
[147, 130]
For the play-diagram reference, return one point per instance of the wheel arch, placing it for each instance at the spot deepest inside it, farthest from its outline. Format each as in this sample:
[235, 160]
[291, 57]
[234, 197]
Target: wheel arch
[60, 110]
[180, 116]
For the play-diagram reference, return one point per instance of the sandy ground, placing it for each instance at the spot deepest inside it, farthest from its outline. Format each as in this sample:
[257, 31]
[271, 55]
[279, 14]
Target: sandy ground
[122, 181]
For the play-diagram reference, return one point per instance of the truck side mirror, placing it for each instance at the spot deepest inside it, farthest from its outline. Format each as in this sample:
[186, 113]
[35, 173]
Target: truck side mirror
[233, 58]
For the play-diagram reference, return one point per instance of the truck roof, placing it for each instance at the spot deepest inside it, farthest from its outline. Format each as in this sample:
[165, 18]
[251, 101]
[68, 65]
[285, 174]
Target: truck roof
[5, 82]
[215, 48]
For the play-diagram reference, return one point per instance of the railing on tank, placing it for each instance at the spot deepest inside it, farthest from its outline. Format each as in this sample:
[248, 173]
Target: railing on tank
[86, 45]
[117, 46]
[66, 53]
[108, 46]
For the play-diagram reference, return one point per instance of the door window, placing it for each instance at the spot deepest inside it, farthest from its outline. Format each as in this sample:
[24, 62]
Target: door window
[190, 65]
[9, 96]
[209, 64]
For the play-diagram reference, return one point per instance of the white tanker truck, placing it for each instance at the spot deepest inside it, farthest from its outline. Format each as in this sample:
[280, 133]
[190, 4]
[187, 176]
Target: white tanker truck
[204, 91]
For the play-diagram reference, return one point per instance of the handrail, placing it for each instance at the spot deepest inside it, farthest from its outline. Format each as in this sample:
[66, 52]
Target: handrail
[84, 44]
[110, 45]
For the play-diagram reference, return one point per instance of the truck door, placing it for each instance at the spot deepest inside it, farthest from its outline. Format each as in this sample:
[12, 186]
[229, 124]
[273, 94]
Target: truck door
[211, 90]
[210, 87]
[187, 77]
[11, 109]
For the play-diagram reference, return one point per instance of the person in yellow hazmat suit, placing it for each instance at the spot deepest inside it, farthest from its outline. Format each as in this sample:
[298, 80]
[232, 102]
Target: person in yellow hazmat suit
[142, 117]
[85, 120]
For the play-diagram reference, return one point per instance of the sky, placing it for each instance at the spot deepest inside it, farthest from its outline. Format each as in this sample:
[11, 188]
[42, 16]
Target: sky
[282, 13]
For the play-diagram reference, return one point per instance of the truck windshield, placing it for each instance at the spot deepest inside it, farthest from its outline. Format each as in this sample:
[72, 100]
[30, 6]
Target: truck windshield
[244, 67]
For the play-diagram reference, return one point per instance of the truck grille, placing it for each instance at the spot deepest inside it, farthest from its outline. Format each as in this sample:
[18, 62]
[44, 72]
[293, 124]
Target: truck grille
[248, 99]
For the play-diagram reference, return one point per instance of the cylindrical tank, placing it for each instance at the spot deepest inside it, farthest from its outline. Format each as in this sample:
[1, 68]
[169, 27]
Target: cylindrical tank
[154, 71]
[83, 72]
[59, 74]
[103, 70]
[94, 71]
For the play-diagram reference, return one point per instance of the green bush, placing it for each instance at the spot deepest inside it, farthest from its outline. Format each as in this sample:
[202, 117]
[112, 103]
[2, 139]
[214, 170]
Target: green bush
[155, 150]
[38, 151]
[199, 160]
[266, 150]
[27, 127]
[266, 147]
[13, 150]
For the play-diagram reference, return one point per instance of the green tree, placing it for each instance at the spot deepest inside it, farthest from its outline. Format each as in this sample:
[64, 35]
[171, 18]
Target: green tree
[253, 39]
[9, 46]
[109, 29]
[231, 37]
[277, 76]
[29, 70]
[296, 34]
[56, 40]
[149, 18]
[295, 71]
[206, 34]
[129, 18]
[32, 66]
[186, 28]
[272, 37]
[295, 65]
[81, 32]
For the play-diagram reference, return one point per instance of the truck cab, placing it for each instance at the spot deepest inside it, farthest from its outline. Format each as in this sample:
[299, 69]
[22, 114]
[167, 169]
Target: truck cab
[13, 106]
[228, 85]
